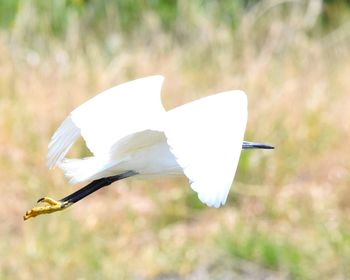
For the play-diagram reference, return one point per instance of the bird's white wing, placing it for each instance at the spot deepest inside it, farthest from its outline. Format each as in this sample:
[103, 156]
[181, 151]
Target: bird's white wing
[206, 138]
[113, 114]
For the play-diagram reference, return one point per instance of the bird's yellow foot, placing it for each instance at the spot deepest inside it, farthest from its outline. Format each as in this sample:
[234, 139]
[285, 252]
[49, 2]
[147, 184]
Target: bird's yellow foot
[50, 205]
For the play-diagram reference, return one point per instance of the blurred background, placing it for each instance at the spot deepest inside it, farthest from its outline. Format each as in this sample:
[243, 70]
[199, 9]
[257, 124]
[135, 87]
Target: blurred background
[288, 213]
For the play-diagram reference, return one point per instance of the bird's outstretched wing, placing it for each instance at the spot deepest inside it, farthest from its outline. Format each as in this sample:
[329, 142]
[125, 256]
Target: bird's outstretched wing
[108, 117]
[206, 138]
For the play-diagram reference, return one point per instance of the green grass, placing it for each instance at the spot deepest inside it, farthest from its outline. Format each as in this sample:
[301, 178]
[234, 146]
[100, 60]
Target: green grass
[272, 251]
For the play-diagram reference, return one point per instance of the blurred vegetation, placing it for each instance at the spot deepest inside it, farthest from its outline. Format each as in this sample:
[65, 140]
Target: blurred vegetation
[288, 214]
[79, 21]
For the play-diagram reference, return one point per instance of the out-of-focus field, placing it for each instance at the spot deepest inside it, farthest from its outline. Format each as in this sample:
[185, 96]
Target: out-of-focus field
[288, 213]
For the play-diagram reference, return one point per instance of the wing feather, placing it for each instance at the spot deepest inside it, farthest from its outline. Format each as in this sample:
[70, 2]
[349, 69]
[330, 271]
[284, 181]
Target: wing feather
[62, 140]
[104, 119]
[206, 138]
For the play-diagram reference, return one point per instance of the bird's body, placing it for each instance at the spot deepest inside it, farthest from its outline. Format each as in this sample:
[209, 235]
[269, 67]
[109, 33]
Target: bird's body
[150, 158]
[129, 132]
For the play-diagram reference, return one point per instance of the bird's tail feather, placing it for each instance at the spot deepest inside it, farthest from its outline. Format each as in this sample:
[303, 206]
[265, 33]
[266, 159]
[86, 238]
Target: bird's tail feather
[81, 170]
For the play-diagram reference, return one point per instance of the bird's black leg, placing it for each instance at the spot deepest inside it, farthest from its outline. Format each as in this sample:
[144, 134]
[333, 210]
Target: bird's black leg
[53, 205]
[94, 186]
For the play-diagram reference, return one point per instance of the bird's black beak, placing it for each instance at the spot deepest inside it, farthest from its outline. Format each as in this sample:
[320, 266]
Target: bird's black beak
[252, 145]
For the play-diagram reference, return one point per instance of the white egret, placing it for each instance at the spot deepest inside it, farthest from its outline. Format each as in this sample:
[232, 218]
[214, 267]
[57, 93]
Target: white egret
[130, 134]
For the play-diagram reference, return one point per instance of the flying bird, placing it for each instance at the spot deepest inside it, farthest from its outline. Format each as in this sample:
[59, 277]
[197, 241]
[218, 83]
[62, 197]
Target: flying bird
[130, 134]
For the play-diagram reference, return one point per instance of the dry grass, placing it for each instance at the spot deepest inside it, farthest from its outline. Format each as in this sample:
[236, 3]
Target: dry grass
[288, 210]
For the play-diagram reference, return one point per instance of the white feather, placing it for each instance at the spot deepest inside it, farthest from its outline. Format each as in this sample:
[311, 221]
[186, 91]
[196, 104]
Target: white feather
[145, 152]
[126, 128]
[81, 170]
[108, 117]
[206, 138]
[120, 111]
[62, 140]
